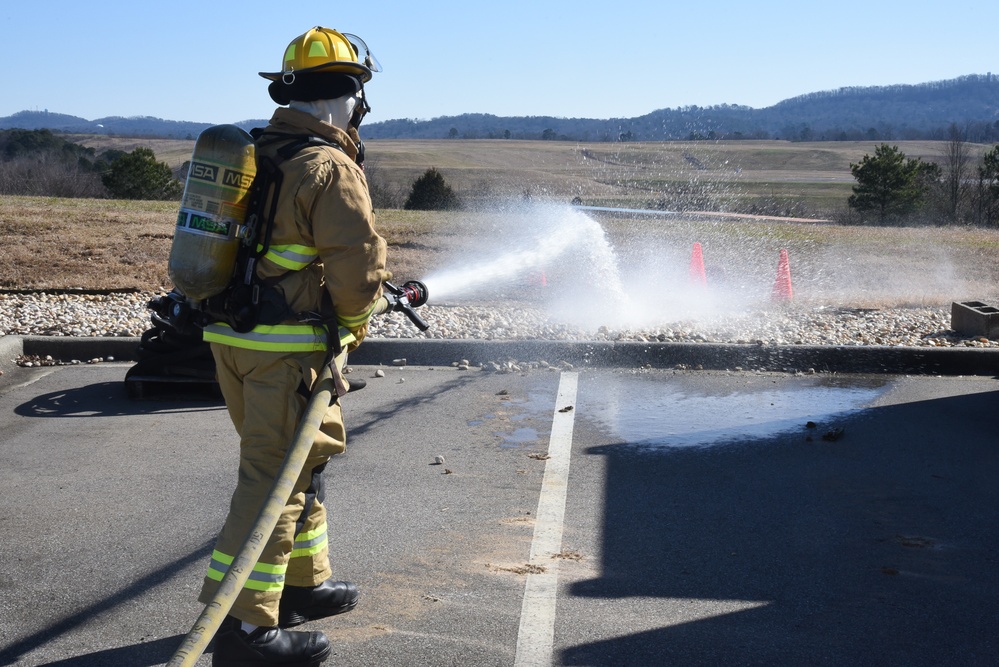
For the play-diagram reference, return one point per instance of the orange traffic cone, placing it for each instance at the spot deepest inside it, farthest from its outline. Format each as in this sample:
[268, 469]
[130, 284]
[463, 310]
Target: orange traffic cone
[697, 274]
[782, 286]
[539, 279]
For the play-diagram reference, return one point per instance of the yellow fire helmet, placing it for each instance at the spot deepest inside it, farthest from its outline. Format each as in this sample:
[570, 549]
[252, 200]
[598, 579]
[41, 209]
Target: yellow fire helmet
[325, 50]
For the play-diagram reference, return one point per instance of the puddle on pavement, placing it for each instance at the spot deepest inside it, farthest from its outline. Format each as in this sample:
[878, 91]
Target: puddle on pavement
[519, 436]
[656, 413]
[518, 412]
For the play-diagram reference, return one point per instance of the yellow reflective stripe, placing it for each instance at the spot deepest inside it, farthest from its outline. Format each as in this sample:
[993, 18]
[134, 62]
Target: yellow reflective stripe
[354, 321]
[311, 535]
[310, 550]
[274, 337]
[263, 577]
[310, 543]
[291, 256]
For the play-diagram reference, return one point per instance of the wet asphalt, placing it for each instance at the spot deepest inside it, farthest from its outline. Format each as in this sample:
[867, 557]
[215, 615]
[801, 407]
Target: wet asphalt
[704, 517]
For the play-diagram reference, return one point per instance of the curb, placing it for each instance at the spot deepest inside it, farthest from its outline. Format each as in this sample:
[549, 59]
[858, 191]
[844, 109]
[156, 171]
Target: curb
[706, 356]
[597, 354]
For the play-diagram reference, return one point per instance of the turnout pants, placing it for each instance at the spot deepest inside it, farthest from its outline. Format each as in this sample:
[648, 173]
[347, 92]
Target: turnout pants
[266, 394]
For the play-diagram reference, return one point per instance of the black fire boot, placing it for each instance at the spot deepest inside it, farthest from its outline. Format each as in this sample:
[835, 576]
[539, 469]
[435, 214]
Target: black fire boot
[267, 646]
[301, 603]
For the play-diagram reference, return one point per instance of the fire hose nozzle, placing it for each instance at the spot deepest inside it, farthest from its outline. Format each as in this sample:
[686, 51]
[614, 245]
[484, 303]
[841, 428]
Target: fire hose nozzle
[412, 294]
[416, 292]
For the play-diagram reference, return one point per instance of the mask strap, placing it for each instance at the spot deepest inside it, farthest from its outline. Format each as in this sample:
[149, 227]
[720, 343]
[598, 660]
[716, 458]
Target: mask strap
[360, 111]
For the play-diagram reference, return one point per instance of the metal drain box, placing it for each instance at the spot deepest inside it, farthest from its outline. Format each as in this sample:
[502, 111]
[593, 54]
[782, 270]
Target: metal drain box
[974, 318]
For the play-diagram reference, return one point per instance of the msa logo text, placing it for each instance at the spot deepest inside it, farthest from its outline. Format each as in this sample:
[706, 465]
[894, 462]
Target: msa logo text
[237, 179]
[204, 172]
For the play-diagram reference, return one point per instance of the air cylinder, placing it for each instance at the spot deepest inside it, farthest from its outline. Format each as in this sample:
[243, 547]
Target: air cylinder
[216, 195]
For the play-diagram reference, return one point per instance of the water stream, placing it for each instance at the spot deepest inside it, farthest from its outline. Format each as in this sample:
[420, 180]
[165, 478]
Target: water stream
[562, 258]
[560, 234]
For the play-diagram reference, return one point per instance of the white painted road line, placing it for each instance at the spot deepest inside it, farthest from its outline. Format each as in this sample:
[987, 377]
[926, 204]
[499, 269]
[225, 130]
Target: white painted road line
[536, 636]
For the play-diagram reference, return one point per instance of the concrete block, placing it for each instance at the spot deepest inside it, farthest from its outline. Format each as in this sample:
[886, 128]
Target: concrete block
[974, 318]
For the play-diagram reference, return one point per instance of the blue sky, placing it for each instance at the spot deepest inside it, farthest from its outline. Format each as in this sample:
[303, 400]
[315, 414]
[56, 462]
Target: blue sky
[198, 61]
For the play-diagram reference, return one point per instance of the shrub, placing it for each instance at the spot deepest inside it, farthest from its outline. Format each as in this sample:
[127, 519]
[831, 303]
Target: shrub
[137, 175]
[431, 192]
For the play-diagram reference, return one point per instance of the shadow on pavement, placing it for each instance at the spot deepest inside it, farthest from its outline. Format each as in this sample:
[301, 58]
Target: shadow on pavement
[104, 399]
[152, 653]
[147, 654]
[398, 409]
[878, 547]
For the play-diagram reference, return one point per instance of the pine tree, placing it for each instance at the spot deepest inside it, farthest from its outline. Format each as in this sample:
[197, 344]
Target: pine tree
[890, 184]
[430, 192]
[137, 175]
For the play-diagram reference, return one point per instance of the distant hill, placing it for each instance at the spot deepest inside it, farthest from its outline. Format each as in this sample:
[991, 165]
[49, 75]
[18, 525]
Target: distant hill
[922, 111]
[137, 126]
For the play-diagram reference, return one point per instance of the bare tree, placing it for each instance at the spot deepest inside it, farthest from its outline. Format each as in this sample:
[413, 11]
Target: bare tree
[384, 194]
[957, 169]
[986, 193]
[46, 175]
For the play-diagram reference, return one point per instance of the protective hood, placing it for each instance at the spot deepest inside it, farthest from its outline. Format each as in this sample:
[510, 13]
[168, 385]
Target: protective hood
[336, 112]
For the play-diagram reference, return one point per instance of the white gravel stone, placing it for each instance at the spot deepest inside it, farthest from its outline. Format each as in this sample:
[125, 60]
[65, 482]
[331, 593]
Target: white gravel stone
[125, 314]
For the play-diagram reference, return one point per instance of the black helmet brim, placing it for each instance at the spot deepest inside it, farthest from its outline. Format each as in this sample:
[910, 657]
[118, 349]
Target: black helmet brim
[312, 86]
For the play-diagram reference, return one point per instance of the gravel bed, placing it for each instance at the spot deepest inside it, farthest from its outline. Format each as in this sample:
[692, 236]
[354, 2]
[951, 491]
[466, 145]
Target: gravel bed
[125, 314]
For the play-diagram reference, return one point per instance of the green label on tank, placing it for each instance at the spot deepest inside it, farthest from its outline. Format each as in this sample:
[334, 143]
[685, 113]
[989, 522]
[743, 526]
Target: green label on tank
[203, 223]
[199, 223]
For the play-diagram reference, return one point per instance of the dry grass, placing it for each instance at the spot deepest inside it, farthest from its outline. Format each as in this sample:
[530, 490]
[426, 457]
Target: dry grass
[737, 174]
[48, 243]
[94, 244]
[84, 243]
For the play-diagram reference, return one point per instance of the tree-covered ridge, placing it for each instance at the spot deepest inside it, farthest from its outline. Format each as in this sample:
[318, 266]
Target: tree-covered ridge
[897, 112]
[923, 111]
[39, 162]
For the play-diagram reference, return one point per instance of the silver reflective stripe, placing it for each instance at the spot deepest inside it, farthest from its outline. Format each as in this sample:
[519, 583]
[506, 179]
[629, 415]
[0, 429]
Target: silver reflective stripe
[291, 256]
[255, 575]
[265, 337]
[306, 544]
[266, 577]
[218, 566]
[277, 338]
[263, 577]
[274, 338]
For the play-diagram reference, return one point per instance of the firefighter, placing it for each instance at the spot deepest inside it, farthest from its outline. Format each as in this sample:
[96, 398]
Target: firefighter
[325, 260]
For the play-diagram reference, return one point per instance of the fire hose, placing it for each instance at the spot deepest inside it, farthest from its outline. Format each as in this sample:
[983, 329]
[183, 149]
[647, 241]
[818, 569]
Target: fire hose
[402, 299]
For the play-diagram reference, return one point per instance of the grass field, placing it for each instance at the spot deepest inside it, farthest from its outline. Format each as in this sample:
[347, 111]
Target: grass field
[98, 244]
[812, 179]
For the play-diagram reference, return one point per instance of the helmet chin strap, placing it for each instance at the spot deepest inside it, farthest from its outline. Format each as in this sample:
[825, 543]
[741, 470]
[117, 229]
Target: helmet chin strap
[339, 112]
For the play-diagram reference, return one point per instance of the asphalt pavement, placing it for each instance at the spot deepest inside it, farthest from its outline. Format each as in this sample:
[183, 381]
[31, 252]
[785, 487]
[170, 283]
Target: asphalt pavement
[603, 514]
